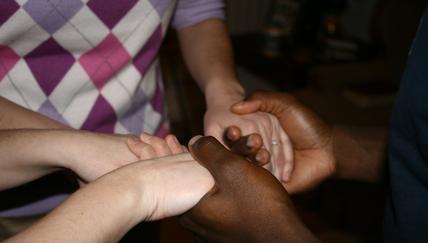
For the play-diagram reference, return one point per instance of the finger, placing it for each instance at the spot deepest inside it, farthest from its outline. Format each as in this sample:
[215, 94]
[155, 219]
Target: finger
[247, 145]
[271, 102]
[194, 139]
[246, 106]
[145, 151]
[174, 145]
[262, 157]
[184, 148]
[288, 156]
[158, 144]
[220, 162]
[133, 145]
[231, 134]
[217, 132]
[296, 186]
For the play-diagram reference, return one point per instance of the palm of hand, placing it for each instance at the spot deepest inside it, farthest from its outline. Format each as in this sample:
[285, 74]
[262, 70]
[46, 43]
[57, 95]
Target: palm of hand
[312, 166]
[313, 149]
[265, 124]
[311, 137]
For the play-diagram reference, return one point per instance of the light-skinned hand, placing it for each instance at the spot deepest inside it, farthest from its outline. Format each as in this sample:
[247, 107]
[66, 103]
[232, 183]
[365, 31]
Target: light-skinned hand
[311, 137]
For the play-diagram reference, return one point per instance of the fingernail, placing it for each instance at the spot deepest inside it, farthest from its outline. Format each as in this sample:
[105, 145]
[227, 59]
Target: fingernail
[230, 135]
[174, 139]
[194, 139]
[250, 143]
[259, 157]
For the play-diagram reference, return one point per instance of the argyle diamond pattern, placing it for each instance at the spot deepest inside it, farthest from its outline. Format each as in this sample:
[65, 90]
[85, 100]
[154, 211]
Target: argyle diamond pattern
[105, 60]
[135, 113]
[102, 117]
[160, 6]
[111, 11]
[49, 110]
[146, 55]
[49, 63]
[90, 64]
[7, 9]
[52, 15]
[8, 59]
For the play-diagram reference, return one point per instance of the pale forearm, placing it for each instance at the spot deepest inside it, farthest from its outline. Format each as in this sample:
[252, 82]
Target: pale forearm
[103, 211]
[26, 155]
[208, 53]
[13, 116]
[107, 208]
[360, 153]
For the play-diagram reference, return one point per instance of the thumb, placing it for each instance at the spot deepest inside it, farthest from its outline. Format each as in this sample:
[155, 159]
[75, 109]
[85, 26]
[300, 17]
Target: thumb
[246, 106]
[271, 102]
[220, 162]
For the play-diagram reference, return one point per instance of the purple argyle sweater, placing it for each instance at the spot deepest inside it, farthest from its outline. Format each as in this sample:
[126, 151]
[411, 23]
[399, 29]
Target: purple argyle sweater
[92, 64]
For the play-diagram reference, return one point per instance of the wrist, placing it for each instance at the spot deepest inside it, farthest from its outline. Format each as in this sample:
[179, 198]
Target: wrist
[359, 153]
[72, 140]
[223, 92]
[340, 141]
[346, 153]
[128, 182]
[107, 206]
[141, 178]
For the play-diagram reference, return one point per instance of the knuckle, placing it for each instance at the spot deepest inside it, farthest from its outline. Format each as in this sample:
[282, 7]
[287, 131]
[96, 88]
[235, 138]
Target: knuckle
[157, 143]
[204, 142]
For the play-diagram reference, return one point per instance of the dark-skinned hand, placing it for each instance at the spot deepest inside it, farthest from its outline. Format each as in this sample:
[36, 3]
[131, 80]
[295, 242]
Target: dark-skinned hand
[310, 136]
[246, 204]
[249, 146]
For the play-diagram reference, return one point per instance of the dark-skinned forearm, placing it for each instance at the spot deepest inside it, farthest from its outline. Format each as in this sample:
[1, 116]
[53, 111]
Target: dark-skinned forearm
[359, 153]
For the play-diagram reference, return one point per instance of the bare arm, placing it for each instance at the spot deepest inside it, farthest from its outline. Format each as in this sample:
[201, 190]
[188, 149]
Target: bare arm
[207, 52]
[100, 212]
[27, 154]
[13, 116]
[359, 152]
[106, 209]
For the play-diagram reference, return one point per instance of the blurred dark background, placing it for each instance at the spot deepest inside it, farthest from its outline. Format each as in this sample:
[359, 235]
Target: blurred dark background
[342, 58]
